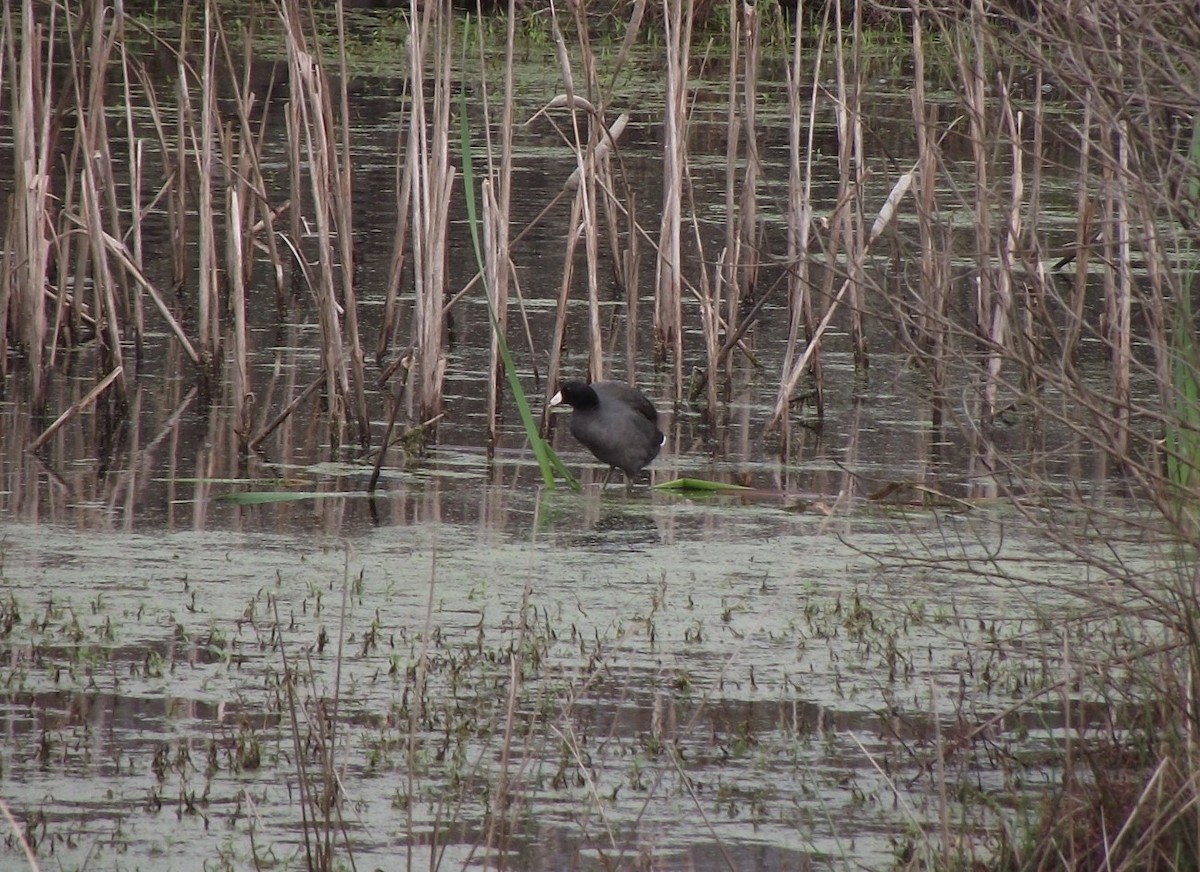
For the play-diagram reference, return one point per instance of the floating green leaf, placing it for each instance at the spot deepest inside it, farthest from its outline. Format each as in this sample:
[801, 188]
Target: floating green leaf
[699, 484]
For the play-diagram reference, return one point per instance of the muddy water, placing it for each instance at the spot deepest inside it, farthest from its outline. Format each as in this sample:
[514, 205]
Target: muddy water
[794, 679]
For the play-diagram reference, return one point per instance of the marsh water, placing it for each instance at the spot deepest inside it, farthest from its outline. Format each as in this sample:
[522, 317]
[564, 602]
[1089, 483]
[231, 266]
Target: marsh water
[797, 677]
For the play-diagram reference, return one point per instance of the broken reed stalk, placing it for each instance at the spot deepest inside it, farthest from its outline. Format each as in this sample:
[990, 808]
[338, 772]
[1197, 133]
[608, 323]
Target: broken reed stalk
[433, 184]
[73, 410]
[801, 121]
[668, 282]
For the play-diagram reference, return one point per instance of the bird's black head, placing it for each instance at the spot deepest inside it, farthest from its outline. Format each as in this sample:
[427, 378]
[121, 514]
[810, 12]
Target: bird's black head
[576, 394]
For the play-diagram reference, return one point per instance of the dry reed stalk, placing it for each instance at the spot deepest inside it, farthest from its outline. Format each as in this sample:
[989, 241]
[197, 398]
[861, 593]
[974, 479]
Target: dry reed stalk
[208, 289]
[327, 186]
[103, 288]
[1083, 239]
[929, 322]
[176, 158]
[96, 145]
[343, 218]
[554, 364]
[173, 169]
[1035, 307]
[668, 304]
[499, 246]
[286, 413]
[593, 169]
[236, 277]
[731, 257]
[136, 158]
[710, 322]
[17, 835]
[23, 286]
[584, 214]
[117, 249]
[75, 409]
[499, 831]
[799, 212]
[1119, 304]
[852, 172]
[250, 178]
[932, 296]
[971, 71]
[433, 181]
[1001, 304]
[92, 160]
[624, 258]
[390, 326]
[495, 226]
[630, 271]
[747, 216]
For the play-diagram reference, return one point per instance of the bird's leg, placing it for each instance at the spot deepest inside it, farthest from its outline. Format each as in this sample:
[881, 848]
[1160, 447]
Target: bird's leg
[607, 476]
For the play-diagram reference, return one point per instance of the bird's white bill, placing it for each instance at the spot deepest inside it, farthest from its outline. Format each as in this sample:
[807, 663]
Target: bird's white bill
[556, 400]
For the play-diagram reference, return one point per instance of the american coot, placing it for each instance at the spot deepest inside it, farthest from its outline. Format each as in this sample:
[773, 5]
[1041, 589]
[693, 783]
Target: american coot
[615, 422]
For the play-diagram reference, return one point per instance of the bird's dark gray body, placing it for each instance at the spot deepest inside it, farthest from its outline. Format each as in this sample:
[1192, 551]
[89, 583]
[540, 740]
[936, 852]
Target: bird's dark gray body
[615, 422]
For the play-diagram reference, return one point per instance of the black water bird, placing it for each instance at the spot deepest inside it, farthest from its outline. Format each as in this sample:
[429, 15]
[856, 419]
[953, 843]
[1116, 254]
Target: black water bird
[615, 422]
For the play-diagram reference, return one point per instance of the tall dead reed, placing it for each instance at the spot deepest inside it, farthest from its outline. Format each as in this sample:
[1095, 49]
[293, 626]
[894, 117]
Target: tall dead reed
[27, 248]
[924, 313]
[428, 149]
[668, 298]
[323, 131]
[801, 122]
